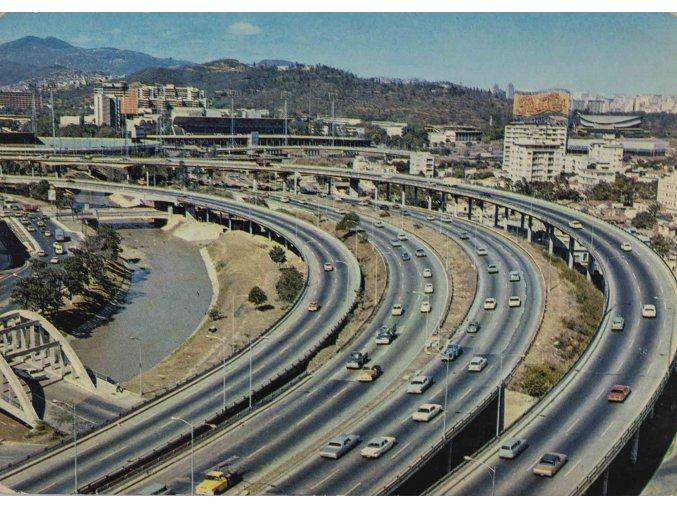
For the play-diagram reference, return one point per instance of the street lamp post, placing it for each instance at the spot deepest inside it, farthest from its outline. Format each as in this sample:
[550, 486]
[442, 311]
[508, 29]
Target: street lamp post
[192, 454]
[75, 443]
[492, 470]
[136, 338]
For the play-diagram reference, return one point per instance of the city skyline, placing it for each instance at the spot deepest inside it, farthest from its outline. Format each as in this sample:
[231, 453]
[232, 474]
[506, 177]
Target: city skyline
[476, 50]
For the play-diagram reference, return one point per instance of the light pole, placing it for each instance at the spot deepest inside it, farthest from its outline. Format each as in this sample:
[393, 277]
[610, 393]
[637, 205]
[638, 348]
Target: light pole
[192, 455]
[75, 443]
[492, 470]
[446, 390]
[136, 338]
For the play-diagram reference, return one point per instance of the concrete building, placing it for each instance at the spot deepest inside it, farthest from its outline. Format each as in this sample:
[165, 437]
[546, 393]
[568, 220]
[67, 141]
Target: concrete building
[444, 134]
[667, 193]
[422, 163]
[392, 128]
[534, 152]
[20, 100]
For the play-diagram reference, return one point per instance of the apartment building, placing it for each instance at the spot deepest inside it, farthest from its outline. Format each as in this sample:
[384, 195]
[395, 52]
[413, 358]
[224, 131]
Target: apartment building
[534, 152]
[667, 193]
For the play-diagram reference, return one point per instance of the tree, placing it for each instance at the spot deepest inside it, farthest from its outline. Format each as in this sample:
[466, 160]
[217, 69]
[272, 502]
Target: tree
[644, 220]
[75, 278]
[257, 297]
[278, 255]
[289, 285]
[661, 244]
[349, 221]
[108, 242]
[215, 314]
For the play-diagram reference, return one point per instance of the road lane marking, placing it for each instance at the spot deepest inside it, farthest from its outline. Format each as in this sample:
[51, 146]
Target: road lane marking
[352, 489]
[325, 479]
[302, 420]
[398, 452]
[405, 419]
[340, 392]
[572, 425]
[600, 394]
[465, 393]
[256, 452]
[573, 467]
[607, 428]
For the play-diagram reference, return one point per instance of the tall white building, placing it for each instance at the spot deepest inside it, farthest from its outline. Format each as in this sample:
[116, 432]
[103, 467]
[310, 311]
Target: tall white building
[667, 193]
[534, 152]
[422, 163]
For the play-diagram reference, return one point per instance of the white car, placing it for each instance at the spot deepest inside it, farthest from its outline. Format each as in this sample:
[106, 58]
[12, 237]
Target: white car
[477, 363]
[428, 289]
[490, 304]
[54, 260]
[378, 446]
[618, 323]
[427, 273]
[395, 243]
[425, 307]
[397, 310]
[648, 311]
[492, 269]
[481, 251]
[514, 301]
[379, 224]
[401, 237]
[328, 266]
[429, 218]
[626, 247]
[339, 445]
[575, 224]
[419, 384]
[512, 447]
[284, 199]
[514, 276]
[446, 220]
[426, 412]
[41, 253]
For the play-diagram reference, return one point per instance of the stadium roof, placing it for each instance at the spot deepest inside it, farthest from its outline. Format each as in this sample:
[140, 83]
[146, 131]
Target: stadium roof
[606, 122]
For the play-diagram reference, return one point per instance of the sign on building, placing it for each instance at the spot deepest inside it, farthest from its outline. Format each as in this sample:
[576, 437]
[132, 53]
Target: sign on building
[51, 195]
[541, 107]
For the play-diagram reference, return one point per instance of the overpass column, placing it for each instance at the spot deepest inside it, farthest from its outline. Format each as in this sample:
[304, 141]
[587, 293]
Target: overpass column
[507, 217]
[354, 186]
[469, 208]
[496, 215]
[415, 196]
[330, 184]
[634, 451]
[403, 197]
[551, 239]
[375, 193]
[430, 202]
[572, 246]
[284, 186]
[444, 202]
[296, 184]
[521, 223]
[605, 482]
[530, 228]
[207, 215]
[388, 191]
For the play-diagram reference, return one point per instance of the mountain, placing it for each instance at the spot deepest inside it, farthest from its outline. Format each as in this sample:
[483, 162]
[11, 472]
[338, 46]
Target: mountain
[257, 86]
[277, 63]
[50, 51]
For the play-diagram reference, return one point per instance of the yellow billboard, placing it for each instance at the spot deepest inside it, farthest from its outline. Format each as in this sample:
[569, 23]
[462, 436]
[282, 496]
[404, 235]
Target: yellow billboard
[544, 104]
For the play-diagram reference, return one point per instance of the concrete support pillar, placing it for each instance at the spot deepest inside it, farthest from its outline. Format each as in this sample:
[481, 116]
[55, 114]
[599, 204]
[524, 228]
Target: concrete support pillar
[375, 193]
[330, 184]
[605, 482]
[296, 184]
[507, 218]
[403, 197]
[634, 451]
[270, 236]
[530, 229]
[469, 208]
[572, 246]
[388, 192]
[551, 239]
[354, 187]
[522, 223]
[496, 209]
[284, 186]
[415, 196]
[444, 202]
[430, 203]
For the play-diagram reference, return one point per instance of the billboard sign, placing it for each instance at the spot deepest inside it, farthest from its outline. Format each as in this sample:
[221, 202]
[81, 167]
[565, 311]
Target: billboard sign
[541, 107]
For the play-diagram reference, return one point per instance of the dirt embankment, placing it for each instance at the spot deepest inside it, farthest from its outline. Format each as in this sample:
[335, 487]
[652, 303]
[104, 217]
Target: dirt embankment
[240, 262]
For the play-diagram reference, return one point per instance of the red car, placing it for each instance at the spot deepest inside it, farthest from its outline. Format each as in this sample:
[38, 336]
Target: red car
[618, 393]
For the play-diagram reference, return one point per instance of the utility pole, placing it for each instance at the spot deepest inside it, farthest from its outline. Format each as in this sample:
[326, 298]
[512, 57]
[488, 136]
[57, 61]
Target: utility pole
[232, 120]
[333, 121]
[285, 122]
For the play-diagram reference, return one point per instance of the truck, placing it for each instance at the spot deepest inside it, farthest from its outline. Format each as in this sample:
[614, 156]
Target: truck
[59, 235]
[216, 482]
[357, 359]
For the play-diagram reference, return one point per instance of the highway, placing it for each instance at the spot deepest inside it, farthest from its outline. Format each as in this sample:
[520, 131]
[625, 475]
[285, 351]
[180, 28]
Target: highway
[576, 418]
[147, 429]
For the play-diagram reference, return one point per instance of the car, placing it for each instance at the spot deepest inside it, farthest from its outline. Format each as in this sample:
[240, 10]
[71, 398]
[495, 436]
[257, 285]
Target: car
[514, 276]
[328, 266]
[406, 256]
[427, 273]
[357, 359]
[425, 307]
[406, 213]
[216, 482]
[512, 447]
[464, 236]
[24, 221]
[618, 393]
[514, 302]
[477, 363]
[30, 228]
[377, 447]
[550, 464]
[401, 237]
[48, 233]
[419, 383]
[385, 335]
[451, 352]
[379, 224]
[313, 306]
[339, 445]
[428, 289]
[481, 251]
[648, 311]
[364, 203]
[383, 207]
[337, 198]
[284, 199]
[426, 412]
[41, 253]
[420, 252]
[617, 323]
[473, 327]
[397, 310]
[369, 373]
[395, 243]
[54, 260]
[446, 219]
[626, 247]
[429, 218]
[492, 269]
[575, 224]
[490, 304]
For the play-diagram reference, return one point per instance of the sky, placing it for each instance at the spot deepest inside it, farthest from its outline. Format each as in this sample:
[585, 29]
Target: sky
[601, 53]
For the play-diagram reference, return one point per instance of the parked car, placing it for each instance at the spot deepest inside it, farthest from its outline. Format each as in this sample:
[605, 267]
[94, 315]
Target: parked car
[54, 260]
[419, 383]
[626, 247]
[648, 311]
[30, 228]
[490, 304]
[473, 327]
[617, 323]
[514, 276]
[339, 445]
[378, 446]
[512, 447]
[514, 301]
[550, 464]
[427, 273]
[451, 352]
[370, 373]
[426, 412]
[313, 306]
[575, 224]
[48, 233]
[428, 289]
[477, 363]
[328, 266]
[397, 310]
[357, 360]
[421, 253]
[425, 307]
[619, 393]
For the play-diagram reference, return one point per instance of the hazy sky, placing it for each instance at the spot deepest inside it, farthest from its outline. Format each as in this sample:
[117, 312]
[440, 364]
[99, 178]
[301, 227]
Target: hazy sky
[601, 53]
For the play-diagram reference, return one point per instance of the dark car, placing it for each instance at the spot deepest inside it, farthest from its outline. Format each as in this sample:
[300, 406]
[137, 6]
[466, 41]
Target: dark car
[451, 352]
[473, 327]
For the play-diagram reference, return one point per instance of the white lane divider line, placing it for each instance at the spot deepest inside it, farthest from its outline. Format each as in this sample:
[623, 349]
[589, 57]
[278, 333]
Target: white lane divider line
[600, 394]
[398, 452]
[304, 419]
[607, 428]
[572, 425]
[352, 489]
[325, 479]
[340, 392]
[465, 393]
[572, 467]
